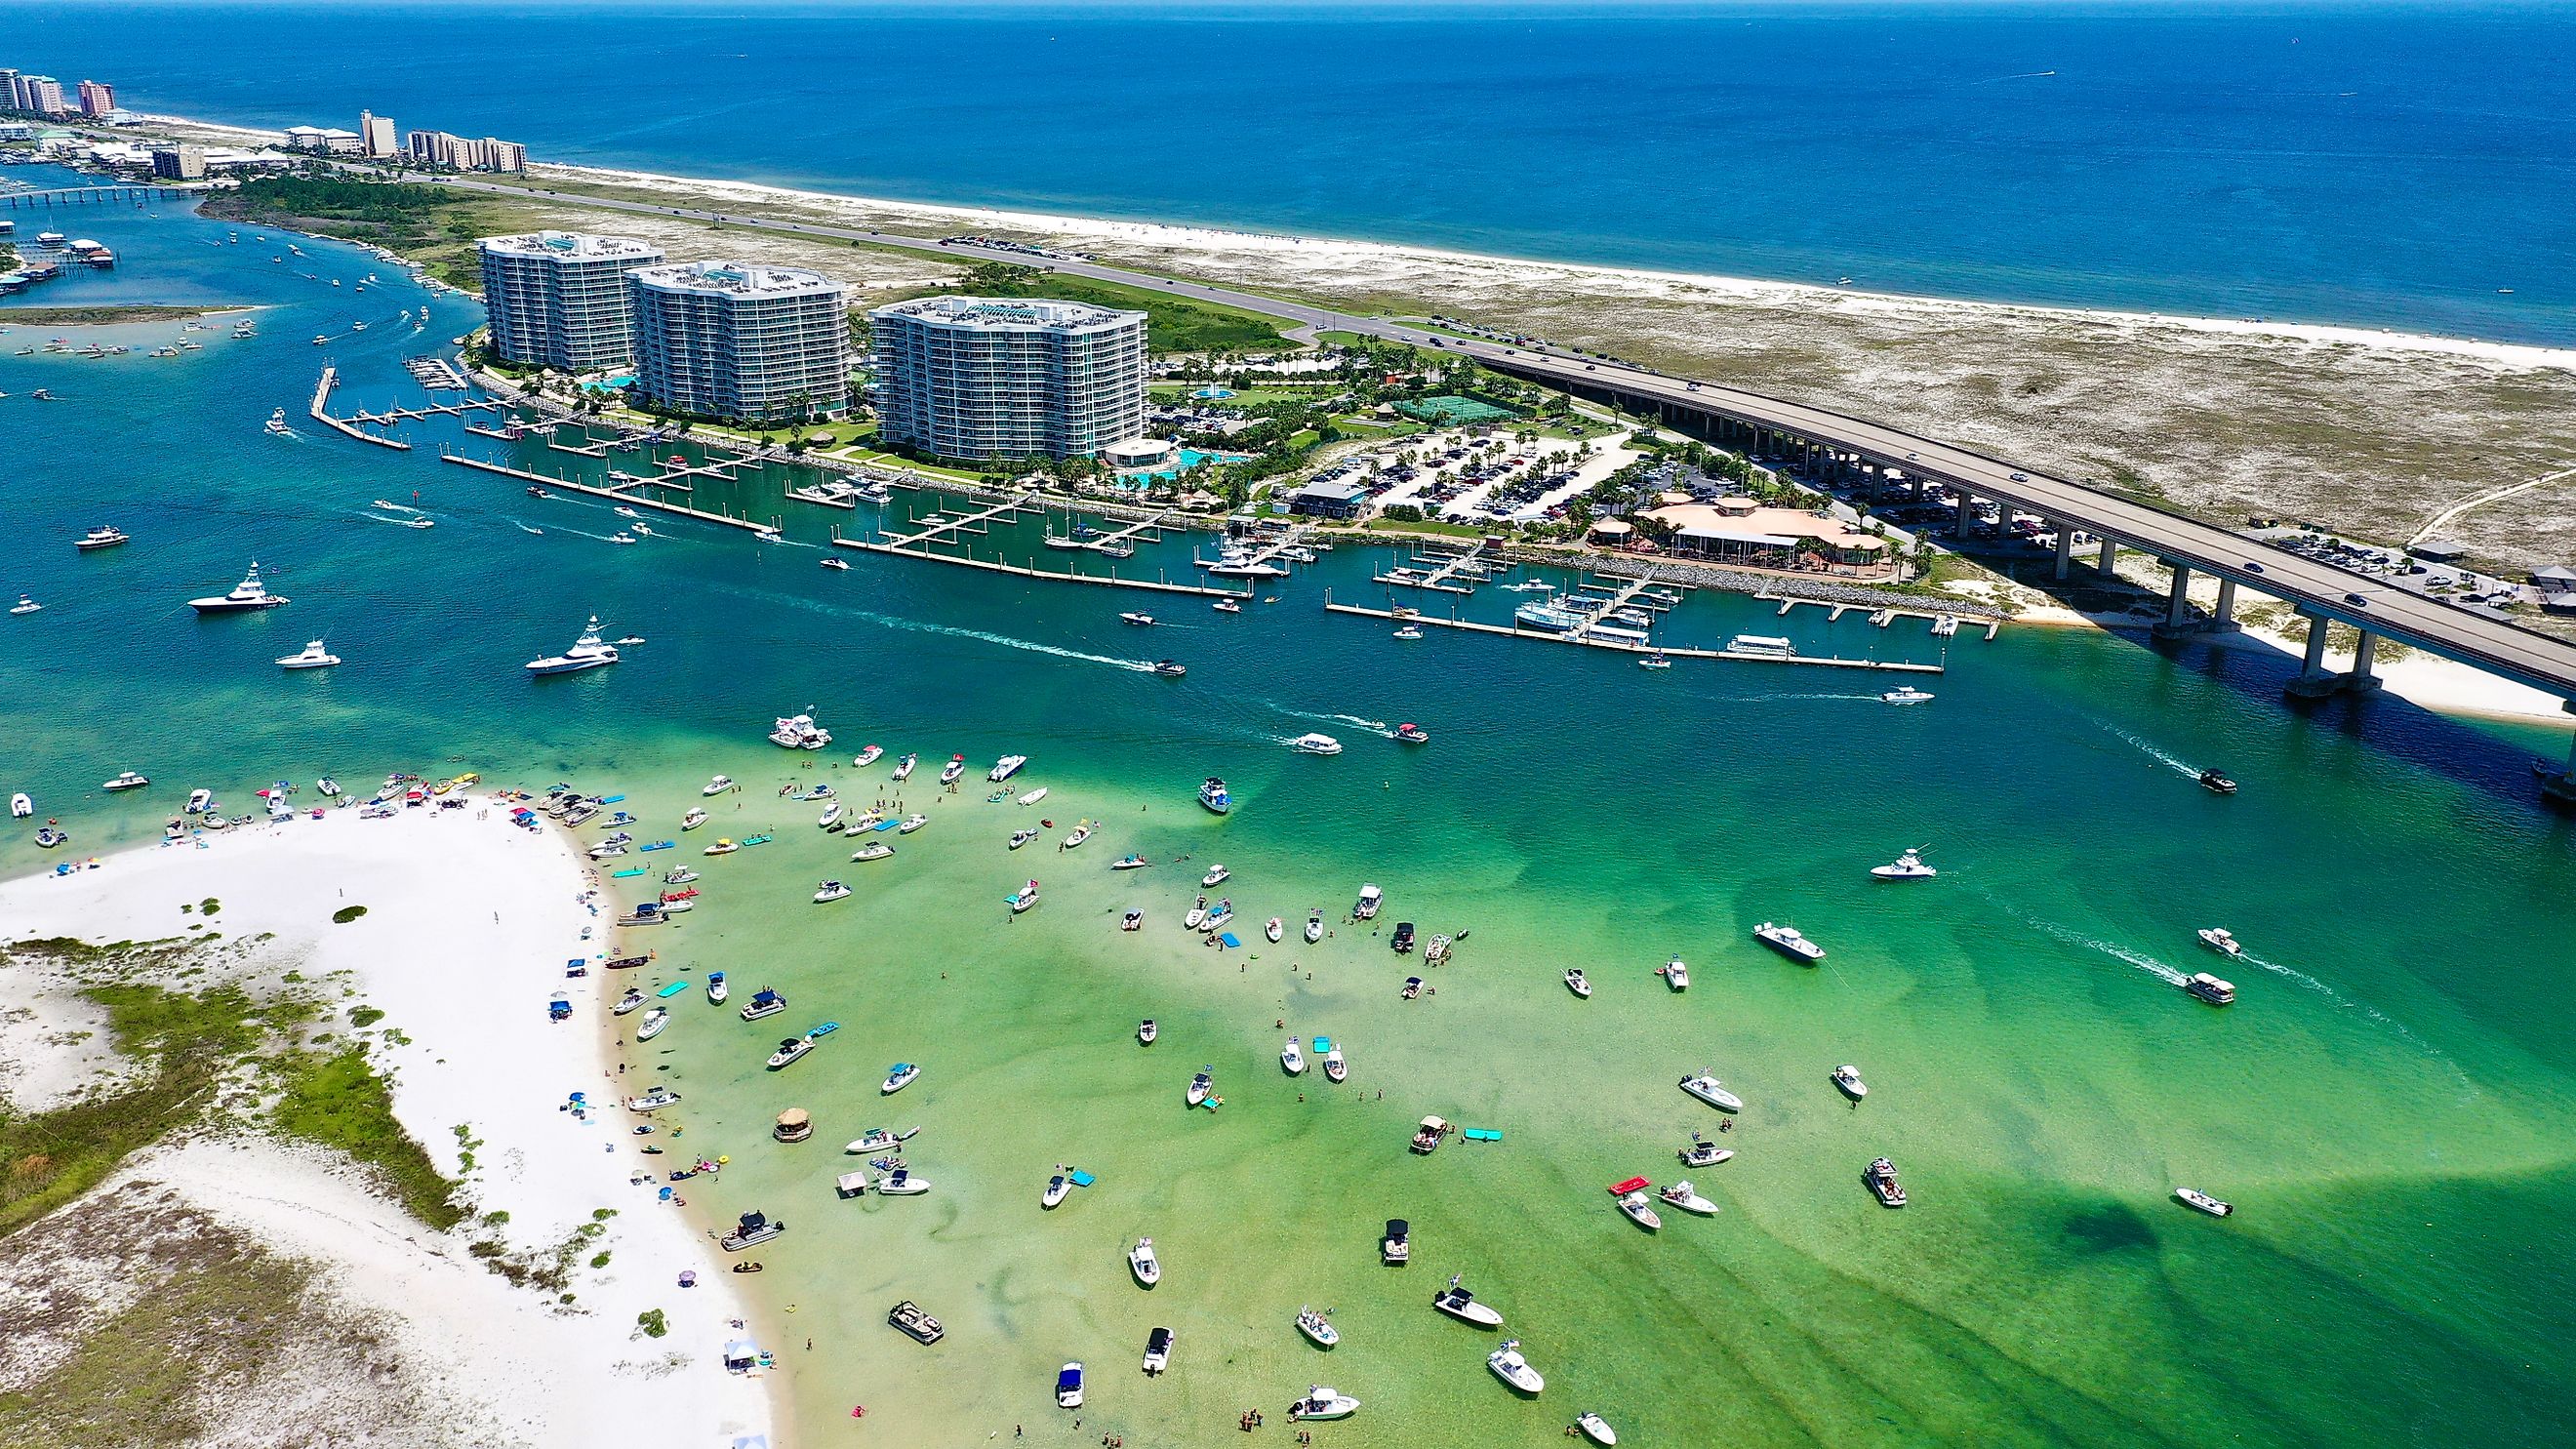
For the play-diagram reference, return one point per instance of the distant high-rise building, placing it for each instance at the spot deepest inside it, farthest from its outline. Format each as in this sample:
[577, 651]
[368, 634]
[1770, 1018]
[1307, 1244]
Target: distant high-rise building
[735, 340]
[376, 135]
[41, 94]
[324, 142]
[438, 148]
[97, 98]
[178, 163]
[971, 377]
[558, 299]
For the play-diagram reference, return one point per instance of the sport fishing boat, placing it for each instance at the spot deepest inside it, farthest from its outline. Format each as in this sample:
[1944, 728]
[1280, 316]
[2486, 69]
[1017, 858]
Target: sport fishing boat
[1632, 1203]
[1138, 618]
[1367, 906]
[247, 595]
[1906, 694]
[1881, 1178]
[1212, 794]
[1704, 1153]
[1275, 930]
[1409, 632]
[898, 1077]
[1512, 1369]
[1709, 1090]
[1318, 1329]
[2210, 989]
[654, 1021]
[1575, 982]
[1292, 1059]
[1908, 866]
[1847, 1077]
[1226, 606]
[1686, 1197]
[1322, 1402]
[587, 652]
[1023, 898]
[98, 538]
[868, 756]
[1004, 768]
[903, 767]
[1789, 943]
[831, 890]
[2218, 940]
[1200, 1087]
[1591, 1426]
[955, 767]
[1676, 974]
[26, 605]
[125, 780]
[1314, 927]
[1141, 1262]
[1216, 876]
[2195, 1198]
[1460, 1304]
[1129, 862]
[1315, 744]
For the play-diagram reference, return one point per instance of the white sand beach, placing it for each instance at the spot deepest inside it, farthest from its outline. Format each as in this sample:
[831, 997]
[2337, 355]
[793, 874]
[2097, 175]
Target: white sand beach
[469, 923]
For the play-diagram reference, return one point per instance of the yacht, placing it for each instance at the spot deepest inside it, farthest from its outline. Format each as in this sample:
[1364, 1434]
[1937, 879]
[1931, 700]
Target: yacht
[125, 780]
[1575, 983]
[1708, 1089]
[1511, 1368]
[1315, 744]
[1005, 767]
[831, 815]
[2218, 940]
[2210, 989]
[1201, 1087]
[1318, 1329]
[1314, 928]
[1906, 694]
[1789, 943]
[26, 605]
[1138, 618]
[249, 594]
[587, 652]
[1141, 1261]
[1412, 734]
[868, 756]
[831, 890]
[1023, 898]
[1676, 974]
[1682, 1195]
[1704, 1153]
[1236, 562]
[1158, 1351]
[1881, 1178]
[1593, 1427]
[1908, 866]
[717, 786]
[898, 1077]
[903, 768]
[1291, 1059]
[692, 820]
[313, 657]
[2194, 1197]
[97, 538]
[1215, 877]
[1366, 907]
[798, 732]
[1460, 1304]
[1212, 794]
[1322, 1402]
[955, 767]
[1847, 1077]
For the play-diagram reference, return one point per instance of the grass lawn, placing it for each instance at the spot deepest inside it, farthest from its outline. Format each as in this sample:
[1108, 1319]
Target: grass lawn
[1173, 324]
[1427, 526]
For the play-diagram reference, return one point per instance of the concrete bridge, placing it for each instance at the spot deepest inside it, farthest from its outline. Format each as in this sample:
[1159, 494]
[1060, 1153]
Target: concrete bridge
[91, 195]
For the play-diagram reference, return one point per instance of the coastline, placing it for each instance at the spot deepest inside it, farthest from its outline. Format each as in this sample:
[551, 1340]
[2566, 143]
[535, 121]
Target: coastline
[468, 923]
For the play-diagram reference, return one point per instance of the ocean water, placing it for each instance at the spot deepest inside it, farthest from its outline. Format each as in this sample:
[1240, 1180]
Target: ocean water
[2385, 165]
[2388, 1102]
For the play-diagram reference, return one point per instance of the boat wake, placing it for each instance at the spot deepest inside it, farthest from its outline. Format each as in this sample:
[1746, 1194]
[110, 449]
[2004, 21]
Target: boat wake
[392, 507]
[2151, 750]
[1137, 666]
[2112, 949]
[1377, 726]
[1769, 698]
[2404, 1033]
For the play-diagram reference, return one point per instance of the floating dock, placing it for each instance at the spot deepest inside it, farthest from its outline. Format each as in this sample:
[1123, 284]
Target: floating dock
[677, 510]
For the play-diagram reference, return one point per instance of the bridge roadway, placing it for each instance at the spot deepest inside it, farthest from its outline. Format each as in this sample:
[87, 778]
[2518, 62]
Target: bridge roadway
[2319, 590]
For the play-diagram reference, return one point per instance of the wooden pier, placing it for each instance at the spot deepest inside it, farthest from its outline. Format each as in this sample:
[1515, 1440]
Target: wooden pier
[680, 510]
[1625, 647]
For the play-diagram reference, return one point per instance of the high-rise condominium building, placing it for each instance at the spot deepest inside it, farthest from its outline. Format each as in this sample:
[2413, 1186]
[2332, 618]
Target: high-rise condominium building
[558, 299]
[376, 135]
[975, 377]
[735, 340]
[97, 98]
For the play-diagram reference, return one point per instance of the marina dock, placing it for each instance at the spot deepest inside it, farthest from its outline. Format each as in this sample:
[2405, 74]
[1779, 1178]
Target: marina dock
[1882, 615]
[1624, 647]
[1433, 571]
[1267, 550]
[679, 510]
[321, 413]
[1163, 586]
[945, 526]
[1112, 541]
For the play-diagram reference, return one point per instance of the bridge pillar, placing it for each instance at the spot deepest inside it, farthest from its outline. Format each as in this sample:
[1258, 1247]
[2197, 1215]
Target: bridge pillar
[2178, 599]
[2225, 622]
[2559, 785]
[2065, 545]
[2360, 680]
[2312, 681]
[2108, 561]
[1967, 511]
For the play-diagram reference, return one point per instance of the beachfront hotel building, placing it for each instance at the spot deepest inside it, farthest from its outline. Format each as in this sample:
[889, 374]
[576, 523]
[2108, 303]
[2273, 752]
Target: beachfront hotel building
[738, 341]
[559, 299]
[975, 377]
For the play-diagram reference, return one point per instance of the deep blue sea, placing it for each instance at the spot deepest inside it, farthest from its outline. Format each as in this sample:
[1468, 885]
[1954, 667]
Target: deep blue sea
[2385, 165]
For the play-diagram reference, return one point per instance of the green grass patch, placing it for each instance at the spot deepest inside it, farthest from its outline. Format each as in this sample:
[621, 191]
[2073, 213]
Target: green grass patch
[1172, 324]
[338, 1100]
[1428, 525]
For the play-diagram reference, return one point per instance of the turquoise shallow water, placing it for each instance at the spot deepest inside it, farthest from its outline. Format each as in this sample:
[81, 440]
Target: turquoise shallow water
[2388, 1103]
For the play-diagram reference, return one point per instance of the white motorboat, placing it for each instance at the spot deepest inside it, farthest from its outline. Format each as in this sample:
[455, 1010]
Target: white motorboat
[1137, 618]
[654, 1021]
[98, 538]
[1197, 915]
[868, 756]
[199, 801]
[1034, 796]
[911, 823]
[1335, 1069]
[1315, 744]
[717, 786]
[1003, 768]
[1292, 1059]
[798, 732]
[693, 819]
[1318, 1329]
[903, 768]
[1511, 1368]
[1676, 975]
[831, 813]
[2218, 940]
[1214, 795]
[1906, 694]
[1704, 1153]
[900, 1076]
[836, 563]
[1022, 837]
[1908, 866]
[629, 1002]
[314, 656]
[1575, 982]
[2195, 1198]
[1847, 1077]
[1023, 898]
[624, 539]
[1460, 1304]
[1200, 1087]
[1787, 941]
[1314, 927]
[791, 1050]
[2210, 989]
[1371, 898]
[764, 1002]
[717, 988]
[1275, 930]
[955, 767]
[1708, 1089]
[1634, 1206]
[1215, 877]
[1080, 834]
[1057, 1189]
[901, 1182]
[1158, 1351]
[1594, 1428]
[1322, 1402]
[1227, 606]
[587, 652]
[831, 890]
[249, 594]
[125, 780]
[1686, 1197]
[26, 605]
[1146, 1031]
[20, 807]
[873, 850]
[723, 846]
[1142, 1262]
[327, 787]
[1881, 1178]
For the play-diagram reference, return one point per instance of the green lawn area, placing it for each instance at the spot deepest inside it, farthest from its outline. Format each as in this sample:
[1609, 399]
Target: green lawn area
[1428, 525]
[1245, 397]
[1173, 324]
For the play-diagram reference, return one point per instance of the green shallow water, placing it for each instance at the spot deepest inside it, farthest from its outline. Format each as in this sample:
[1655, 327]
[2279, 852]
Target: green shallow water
[2388, 1103]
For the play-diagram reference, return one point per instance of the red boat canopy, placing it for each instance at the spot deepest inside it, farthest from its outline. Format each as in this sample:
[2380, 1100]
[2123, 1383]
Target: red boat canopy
[1634, 1184]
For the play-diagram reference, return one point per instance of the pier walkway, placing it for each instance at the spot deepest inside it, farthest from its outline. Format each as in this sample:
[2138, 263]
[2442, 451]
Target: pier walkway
[321, 413]
[1442, 568]
[680, 510]
[1110, 580]
[1625, 646]
[945, 527]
